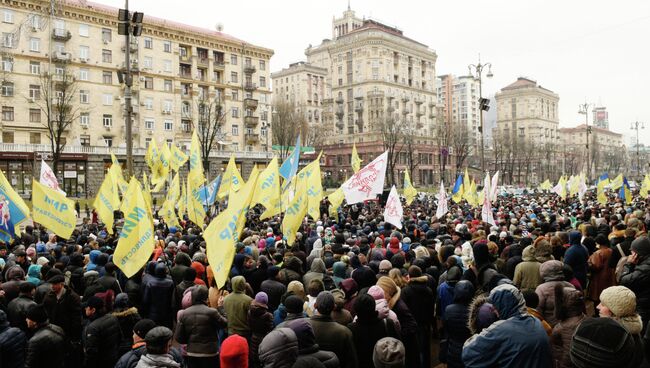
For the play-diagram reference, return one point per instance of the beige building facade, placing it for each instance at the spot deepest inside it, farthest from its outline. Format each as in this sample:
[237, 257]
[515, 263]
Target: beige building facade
[174, 66]
[606, 153]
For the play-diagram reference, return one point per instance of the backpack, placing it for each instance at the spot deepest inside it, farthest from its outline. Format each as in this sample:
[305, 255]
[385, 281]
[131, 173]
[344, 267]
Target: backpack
[621, 263]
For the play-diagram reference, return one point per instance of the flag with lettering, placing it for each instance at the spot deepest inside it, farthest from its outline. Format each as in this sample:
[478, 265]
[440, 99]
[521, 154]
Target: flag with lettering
[196, 164]
[136, 240]
[295, 214]
[13, 210]
[368, 182]
[311, 177]
[240, 201]
[151, 157]
[116, 171]
[220, 238]
[53, 210]
[208, 193]
[393, 210]
[267, 192]
[195, 210]
[231, 181]
[443, 206]
[336, 199]
[178, 158]
[107, 201]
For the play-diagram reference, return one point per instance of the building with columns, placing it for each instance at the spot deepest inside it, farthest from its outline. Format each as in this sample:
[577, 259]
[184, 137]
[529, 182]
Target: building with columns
[174, 65]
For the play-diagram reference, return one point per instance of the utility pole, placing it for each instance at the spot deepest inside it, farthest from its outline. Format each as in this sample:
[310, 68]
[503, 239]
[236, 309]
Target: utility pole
[484, 103]
[636, 126]
[584, 109]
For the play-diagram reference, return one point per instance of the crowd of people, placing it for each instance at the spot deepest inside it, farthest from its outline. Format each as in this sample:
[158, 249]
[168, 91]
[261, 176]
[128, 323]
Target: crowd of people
[554, 283]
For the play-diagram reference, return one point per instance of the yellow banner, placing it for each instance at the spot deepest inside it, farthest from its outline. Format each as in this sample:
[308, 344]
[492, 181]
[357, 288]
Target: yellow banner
[240, 202]
[295, 214]
[231, 181]
[107, 201]
[9, 198]
[335, 199]
[196, 165]
[267, 192]
[220, 238]
[195, 210]
[178, 158]
[355, 160]
[151, 157]
[53, 210]
[409, 191]
[116, 171]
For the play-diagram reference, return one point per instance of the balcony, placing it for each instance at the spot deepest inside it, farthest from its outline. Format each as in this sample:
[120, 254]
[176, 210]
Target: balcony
[248, 86]
[134, 130]
[60, 34]
[219, 65]
[204, 61]
[406, 111]
[339, 100]
[185, 75]
[251, 121]
[252, 138]
[249, 69]
[61, 56]
[250, 103]
[358, 108]
[340, 125]
[185, 58]
[419, 113]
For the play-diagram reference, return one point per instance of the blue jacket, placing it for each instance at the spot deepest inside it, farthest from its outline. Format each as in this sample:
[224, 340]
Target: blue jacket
[577, 256]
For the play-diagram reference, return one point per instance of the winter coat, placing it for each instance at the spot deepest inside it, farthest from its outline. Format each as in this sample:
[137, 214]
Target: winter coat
[133, 289]
[101, 340]
[576, 256]
[274, 289]
[561, 340]
[366, 333]
[445, 297]
[553, 274]
[279, 349]
[65, 313]
[455, 326]
[46, 348]
[127, 319]
[157, 361]
[527, 275]
[602, 276]
[292, 271]
[179, 291]
[13, 343]
[516, 340]
[157, 300]
[131, 358]
[637, 278]
[318, 272]
[420, 300]
[198, 328]
[182, 262]
[260, 321]
[17, 310]
[336, 338]
[236, 307]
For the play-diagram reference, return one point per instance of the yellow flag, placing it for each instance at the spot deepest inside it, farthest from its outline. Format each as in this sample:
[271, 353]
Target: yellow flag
[166, 211]
[267, 192]
[196, 164]
[295, 214]
[151, 157]
[409, 191]
[126, 199]
[645, 187]
[355, 161]
[116, 171]
[240, 201]
[467, 183]
[231, 181]
[220, 238]
[136, 241]
[310, 177]
[546, 185]
[335, 199]
[165, 160]
[107, 201]
[146, 192]
[18, 210]
[617, 182]
[182, 202]
[174, 191]
[195, 210]
[178, 158]
[53, 210]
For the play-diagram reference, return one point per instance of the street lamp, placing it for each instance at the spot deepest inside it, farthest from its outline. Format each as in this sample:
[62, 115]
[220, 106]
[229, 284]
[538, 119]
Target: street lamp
[484, 103]
[584, 109]
[636, 126]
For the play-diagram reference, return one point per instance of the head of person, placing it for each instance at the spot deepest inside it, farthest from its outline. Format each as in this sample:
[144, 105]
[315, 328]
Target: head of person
[36, 316]
[93, 306]
[619, 303]
[158, 340]
[324, 303]
[57, 282]
[603, 342]
[141, 328]
[389, 352]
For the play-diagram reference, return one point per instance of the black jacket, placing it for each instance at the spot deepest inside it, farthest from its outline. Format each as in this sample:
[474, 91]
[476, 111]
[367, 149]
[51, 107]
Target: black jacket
[198, 327]
[65, 313]
[17, 310]
[334, 337]
[420, 300]
[456, 333]
[366, 333]
[12, 346]
[157, 300]
[274, 289]
[46, 348]
[637, 279]
[127, 319]
[102, 339]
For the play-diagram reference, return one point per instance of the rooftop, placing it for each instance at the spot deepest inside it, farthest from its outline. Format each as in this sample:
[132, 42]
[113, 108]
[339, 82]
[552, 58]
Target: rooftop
[523, 82]
[582, 128]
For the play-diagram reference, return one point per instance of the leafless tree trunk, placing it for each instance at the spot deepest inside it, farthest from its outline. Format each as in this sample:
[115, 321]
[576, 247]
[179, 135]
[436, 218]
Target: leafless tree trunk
[392, 138]
[287, 124]
[211, 119]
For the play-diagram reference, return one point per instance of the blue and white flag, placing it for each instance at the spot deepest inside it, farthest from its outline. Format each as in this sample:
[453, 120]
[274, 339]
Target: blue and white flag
[289, 167]
[208, 193]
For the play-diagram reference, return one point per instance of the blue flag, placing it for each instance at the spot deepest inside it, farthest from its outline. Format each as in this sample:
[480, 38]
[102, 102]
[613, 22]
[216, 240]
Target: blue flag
[605, 176]
[208, 193]
[289, 167]
[625, 193]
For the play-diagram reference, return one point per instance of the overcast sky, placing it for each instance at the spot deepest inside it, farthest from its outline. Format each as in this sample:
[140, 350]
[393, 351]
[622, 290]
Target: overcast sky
[584, 50]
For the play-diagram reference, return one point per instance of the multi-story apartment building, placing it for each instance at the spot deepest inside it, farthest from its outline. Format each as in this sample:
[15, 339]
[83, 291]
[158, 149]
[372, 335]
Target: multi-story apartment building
[174, 66]
[376, 76]
[607, 151]
[526, 139]
[601, 117]
[458, 98]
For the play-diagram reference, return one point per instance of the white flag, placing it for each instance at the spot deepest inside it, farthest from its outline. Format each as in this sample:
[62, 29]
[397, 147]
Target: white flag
[393, 212]
[48, 178]
[367, 182]
[493, 187]
[486, 212]
[442, 202]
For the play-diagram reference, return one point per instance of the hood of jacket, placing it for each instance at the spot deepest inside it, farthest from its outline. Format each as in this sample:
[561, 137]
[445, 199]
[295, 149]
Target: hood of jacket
[238, 284]
[126, 312]
[294, 264]
[508, 301]
[15, 273]
[317, 265]
[381, 306]
[279, 349]
[349, 287]
[477, 318]
[528, 255]
[339, 269]
[569, 302]
[93, 256]
[552, 271]
[34, 271]
[463, 292]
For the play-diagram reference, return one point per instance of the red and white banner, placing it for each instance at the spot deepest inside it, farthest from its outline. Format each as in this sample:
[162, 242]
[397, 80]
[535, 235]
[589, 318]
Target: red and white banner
[393, 212]
[443, 207]
[367, 182]
[48, 178]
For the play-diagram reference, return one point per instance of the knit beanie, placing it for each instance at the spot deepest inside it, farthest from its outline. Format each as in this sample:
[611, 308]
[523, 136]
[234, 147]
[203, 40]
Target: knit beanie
[234, 352]
[294, 304]
[143, 326]
[620, 300]
[603, 343]
[37, 313]
[389, 353]
[641, 246]
[261, 298]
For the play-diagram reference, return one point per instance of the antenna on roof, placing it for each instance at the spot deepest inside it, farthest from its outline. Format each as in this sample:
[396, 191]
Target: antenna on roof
[219, 27]
[348, 4]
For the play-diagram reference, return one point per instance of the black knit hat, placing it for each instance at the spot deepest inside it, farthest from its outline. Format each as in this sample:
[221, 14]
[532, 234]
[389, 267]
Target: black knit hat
[37, 313]
[603, 342]
[143, 326]
[294, 304]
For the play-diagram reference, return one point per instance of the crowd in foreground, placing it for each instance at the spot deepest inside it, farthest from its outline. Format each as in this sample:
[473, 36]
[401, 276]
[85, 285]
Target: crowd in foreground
[553, 284]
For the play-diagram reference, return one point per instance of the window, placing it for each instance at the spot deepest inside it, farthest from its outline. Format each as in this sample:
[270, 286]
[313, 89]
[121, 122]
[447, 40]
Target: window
[84, 119]
[84, 140]
[107, 56]
[84, 52]
[8, 137]
[169, 125]
[147, 142]
[147, 62]
[35, 138]
[59, 70]
[107, 35]
[168, 85]
[59, 47]
[107, 119]
[265, 115]
[107, 99]
[7, 113]
[7, 89]
[167, 46]
[263, 131]
[263, 82]
[108, 141]
[107, 77]
[84, 96]
[167, 66]
[148, 82]
[262, 65]
[235, 130]
[35, 67]
[235, 95]
[7, 64]
[148, 103]
[235, 112]
[8, 16]
[35, 44]
[35, 116]
[233, 59]
[186, 111]
[168, 105]
[233, 77]
[149, 124]
[84, 30]
[8, 39]
[148, 43]
[83, 74]
[35, 91]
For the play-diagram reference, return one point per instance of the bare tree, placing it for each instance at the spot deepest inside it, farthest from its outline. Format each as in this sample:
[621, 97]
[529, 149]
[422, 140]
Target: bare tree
[60, 93]
[211, 119]
[287, 124]
[461, 144]
[392, 134]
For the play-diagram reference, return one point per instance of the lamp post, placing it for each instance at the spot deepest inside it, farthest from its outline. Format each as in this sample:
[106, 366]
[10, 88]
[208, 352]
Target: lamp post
[636, 126]
[584, 109]
[483, 103]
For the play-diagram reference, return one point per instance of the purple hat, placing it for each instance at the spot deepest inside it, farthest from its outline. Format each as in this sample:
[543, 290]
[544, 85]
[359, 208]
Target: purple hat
[487, 315]
[262, 298]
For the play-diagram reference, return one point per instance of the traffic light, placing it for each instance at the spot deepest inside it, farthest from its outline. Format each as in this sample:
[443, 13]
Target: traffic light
[484, 104]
